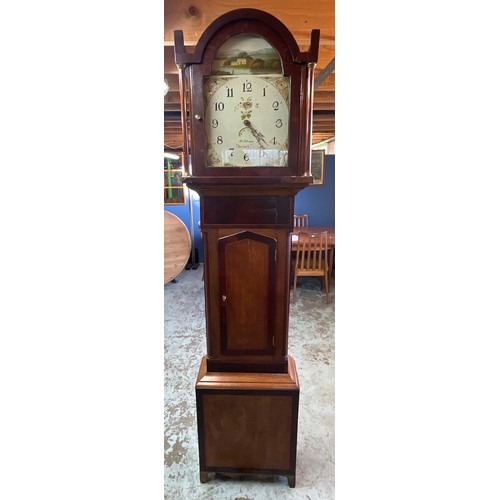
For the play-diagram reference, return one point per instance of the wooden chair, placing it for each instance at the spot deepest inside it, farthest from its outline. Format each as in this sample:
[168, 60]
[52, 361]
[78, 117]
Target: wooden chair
[312, 260]
[300, 220]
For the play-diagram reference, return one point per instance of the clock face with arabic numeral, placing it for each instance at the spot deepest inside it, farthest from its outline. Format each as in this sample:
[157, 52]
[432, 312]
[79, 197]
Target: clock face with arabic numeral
[247, 120]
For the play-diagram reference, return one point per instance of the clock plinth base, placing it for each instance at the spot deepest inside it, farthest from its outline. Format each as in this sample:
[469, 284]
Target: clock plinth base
[247, 422]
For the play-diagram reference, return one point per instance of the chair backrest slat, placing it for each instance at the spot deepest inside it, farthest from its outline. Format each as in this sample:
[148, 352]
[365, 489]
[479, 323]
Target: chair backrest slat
[301, 220]
[311, 252]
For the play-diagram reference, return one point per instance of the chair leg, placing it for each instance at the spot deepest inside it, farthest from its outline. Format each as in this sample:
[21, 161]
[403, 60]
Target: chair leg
[295, 288]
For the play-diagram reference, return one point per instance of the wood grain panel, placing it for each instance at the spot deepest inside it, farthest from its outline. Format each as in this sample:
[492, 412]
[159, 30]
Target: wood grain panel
[238, 210]
[247, 431]
[247, 422]
[247, 285]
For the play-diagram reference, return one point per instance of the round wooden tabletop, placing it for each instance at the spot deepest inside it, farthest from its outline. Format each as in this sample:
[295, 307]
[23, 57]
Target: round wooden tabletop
[177, 246]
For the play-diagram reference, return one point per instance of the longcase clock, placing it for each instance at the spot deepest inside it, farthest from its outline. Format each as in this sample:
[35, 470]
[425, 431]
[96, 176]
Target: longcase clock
[246, 96]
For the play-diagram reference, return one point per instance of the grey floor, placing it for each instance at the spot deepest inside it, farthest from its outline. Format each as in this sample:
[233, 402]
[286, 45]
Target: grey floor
[311, 343]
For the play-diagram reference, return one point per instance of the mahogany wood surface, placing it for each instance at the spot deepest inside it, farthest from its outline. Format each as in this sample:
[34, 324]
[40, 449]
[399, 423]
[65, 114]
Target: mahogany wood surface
[256, 273]
[246, 380]
[242, 330]
[263, 208]
[247, 422]
[177, 246]
[240, 433]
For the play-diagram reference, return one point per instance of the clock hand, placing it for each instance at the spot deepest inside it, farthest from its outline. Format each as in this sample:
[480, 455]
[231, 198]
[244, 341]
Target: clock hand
[255, 133]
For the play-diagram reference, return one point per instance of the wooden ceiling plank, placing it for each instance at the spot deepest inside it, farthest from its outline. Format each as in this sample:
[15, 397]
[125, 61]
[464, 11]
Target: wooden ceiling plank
[298, 16]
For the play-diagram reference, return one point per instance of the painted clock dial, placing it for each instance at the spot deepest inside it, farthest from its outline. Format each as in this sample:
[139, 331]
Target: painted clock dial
[246, 121]
[247, 106]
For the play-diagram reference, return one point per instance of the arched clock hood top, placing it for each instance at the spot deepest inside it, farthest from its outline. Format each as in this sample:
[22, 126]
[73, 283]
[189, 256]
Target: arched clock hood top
[233, 23]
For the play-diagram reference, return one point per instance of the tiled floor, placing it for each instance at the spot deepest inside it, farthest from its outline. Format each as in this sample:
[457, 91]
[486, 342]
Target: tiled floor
[311, 343]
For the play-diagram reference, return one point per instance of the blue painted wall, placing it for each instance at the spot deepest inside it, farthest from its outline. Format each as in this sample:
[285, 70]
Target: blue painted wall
[317, 201]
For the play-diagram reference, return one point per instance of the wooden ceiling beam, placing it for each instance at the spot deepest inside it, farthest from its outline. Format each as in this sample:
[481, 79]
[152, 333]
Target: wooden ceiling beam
[328, 83]
[323, 75]
[320, 116]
